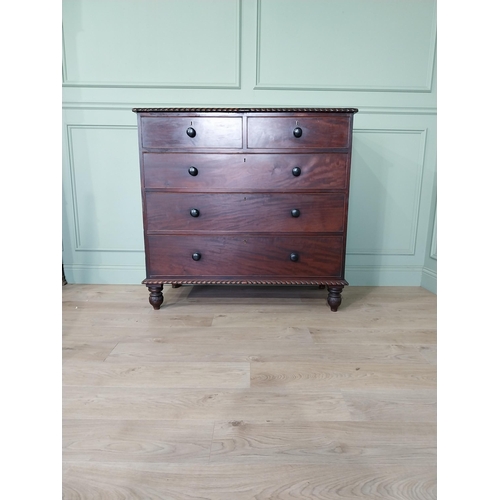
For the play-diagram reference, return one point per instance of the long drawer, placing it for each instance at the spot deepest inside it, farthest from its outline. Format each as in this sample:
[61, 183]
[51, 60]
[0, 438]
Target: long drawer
[250, 212]
[226, 256]
[211, 172]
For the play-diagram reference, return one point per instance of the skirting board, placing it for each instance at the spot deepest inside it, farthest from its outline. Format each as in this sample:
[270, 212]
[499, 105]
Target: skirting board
[429, 280]
[383, 275]
[355, 275]
[104, 275]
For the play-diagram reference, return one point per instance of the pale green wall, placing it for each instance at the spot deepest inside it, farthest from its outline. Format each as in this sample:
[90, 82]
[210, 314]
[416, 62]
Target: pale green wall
[378, 56]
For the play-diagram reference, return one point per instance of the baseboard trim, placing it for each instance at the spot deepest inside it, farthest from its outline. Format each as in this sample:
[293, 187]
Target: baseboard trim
[355, 275]
[384, 275]
[104, 275]
[429, 280]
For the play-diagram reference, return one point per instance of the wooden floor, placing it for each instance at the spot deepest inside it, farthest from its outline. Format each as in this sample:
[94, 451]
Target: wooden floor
[237, 393]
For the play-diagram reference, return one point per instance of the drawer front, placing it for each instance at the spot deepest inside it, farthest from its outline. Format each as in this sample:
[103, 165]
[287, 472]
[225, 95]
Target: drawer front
[245, 212]
[244, 255]
[253, 172]
[206, 132]
[315, 132]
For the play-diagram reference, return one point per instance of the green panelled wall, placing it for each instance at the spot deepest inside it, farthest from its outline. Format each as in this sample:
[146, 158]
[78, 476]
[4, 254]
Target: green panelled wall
[378, 56]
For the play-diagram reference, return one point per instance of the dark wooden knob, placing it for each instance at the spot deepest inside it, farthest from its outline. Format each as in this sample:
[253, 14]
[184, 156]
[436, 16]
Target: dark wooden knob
[193, 171]
[297, 132]
[196, 256]
[194, 212]
[294, 257]
[191, 132]
[295, 212]
[296, 171]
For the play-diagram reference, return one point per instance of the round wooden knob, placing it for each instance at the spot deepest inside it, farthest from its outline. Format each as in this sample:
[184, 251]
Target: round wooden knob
[194, 212]
[196, 256]
[296, 171]
[297, 132]
[295, 212]
[191, 132]
[193, 171]
[294, 257]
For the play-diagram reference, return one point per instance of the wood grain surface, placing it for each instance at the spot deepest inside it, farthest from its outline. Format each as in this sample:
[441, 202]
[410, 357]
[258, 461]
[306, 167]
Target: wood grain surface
[245, 212]
[250, 393]
[252, 482]
[224, 172]
[244, 255]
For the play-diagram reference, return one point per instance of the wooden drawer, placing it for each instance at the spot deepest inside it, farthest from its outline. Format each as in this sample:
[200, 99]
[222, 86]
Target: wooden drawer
[210, 132]
[226, 256]
[263, 172]
[316, 132]
[245, 212]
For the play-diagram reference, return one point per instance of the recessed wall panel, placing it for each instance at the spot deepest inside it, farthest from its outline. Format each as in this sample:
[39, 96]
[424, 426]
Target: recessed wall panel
[382, 45]
[105, 183]
[386, 178]
[193, 43]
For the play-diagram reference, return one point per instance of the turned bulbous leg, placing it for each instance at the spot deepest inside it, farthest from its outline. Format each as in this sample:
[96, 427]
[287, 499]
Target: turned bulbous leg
[155, 296]
[334, 297]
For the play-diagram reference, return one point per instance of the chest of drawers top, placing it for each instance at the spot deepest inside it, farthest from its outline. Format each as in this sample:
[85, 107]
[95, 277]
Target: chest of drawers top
[245, 129]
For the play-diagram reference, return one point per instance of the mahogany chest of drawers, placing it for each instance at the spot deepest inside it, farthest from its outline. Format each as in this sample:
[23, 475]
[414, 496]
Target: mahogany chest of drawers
[245, 196]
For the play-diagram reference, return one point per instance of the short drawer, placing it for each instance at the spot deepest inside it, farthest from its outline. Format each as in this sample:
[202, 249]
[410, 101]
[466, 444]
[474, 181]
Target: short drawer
[245, 212]
[299, 132]
[212, 172]
[244, 255]
[191, 132]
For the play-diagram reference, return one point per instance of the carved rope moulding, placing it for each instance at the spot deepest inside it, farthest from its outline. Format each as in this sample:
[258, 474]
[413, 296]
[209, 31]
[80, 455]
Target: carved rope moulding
[245, 110]
[153, 282]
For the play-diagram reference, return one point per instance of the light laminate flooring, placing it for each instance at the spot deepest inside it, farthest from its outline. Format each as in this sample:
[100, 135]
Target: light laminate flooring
[239, 393]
